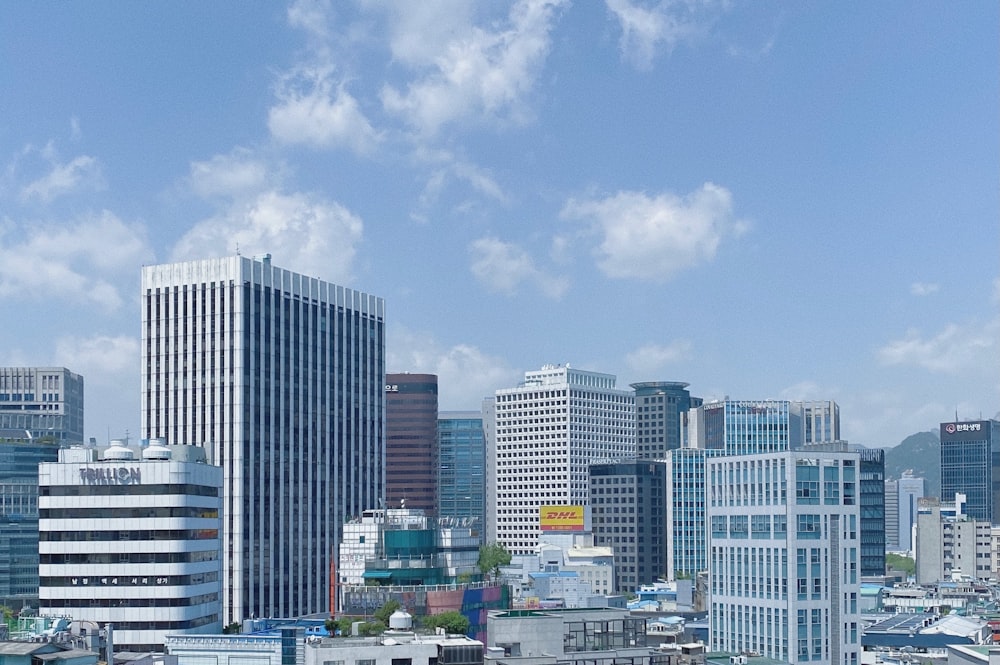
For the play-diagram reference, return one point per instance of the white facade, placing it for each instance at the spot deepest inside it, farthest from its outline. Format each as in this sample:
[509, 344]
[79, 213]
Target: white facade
[280, 377]
[131, 541]
[784, 555]
[950, 544]
[547, 432]
[45, 402]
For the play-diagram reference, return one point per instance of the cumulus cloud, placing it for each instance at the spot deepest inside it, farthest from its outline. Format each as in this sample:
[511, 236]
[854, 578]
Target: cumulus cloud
[465, 373]
[99, 355]
[81, 262]
[647, 29]
[654, 237]
[474, 72]
[315, 110]
[955, 349]
[83, 172]
[303, 233]
[503, 267]
[923, 289]
[651, 358]
[232, 175]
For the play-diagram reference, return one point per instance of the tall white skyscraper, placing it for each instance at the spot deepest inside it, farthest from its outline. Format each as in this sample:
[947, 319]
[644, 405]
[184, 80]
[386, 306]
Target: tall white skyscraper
[281, 377]
[547, 432]
[784, 555]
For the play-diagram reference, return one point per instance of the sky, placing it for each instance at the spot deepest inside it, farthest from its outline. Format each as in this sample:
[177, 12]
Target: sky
[787, 200]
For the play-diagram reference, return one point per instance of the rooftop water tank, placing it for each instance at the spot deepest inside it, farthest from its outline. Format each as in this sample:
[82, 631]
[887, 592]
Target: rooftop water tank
[118, 451]
[156, 450]
[400, 620]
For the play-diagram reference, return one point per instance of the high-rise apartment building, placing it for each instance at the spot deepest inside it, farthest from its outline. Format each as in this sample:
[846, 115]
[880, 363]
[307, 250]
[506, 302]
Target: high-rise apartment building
[19, 460]
[45, 402]
[660, 406]
[462, 466]
[411, 469]
[548, 431]
[909, 492]
[784, 555]
[280, 376]
[131, 538]
[628, 510]
[970, 465]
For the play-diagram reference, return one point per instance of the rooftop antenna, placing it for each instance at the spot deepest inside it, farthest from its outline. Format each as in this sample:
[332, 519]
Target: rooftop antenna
[237, 248]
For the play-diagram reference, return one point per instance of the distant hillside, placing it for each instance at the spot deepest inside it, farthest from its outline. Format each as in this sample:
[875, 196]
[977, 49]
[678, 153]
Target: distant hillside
[921, 453]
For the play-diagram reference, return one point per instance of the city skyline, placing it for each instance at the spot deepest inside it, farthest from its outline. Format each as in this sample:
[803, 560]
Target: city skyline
[762, 201]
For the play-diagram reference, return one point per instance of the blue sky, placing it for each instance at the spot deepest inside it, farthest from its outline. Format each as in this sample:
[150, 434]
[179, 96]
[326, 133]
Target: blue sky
[791, 200]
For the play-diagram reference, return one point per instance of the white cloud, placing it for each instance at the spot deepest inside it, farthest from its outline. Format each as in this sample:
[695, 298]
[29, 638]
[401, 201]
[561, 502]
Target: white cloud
[81, 172]
[316, 111]
[955, 349]
[651, 358]
[475, 72]
[503, 267]
[101, 356]
[662, 25]
[302, 233]
[654, 237]
[313, 16]
[923, 289]
[233, 175]
[465, 373]
[81, 262]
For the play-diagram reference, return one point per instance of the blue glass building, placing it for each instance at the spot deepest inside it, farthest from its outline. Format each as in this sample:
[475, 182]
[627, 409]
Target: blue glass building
[970, 464]
[461, 466]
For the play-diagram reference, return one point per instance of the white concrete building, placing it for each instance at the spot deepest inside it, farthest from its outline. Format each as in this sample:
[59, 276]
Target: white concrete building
[784, 555]
[547, 432]
[950, 544]
[280, 376]
[131, 538]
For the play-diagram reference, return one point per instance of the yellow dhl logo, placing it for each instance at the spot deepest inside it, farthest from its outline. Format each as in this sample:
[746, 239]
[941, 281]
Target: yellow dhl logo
[562, 515]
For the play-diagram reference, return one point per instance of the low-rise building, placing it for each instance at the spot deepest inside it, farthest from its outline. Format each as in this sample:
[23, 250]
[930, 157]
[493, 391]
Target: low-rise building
[951, 544]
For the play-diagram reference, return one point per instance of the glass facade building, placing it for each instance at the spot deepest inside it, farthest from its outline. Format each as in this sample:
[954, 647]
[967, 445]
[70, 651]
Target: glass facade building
[784, 556]
[44, 402]
[411, 468]
[660, 407]
[461, 466]
[19, 460]
[628, 507]
[280, 376]
[970, 465]
[872, 497]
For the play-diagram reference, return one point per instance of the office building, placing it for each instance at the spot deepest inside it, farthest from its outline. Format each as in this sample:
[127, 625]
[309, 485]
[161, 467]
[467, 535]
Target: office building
[628, 504]
[950, 543]
[281, 377]
[743, 427]
[411, 469]
[548, 431]
[784, 555]
[20, 454]
[909, 491]
[462, 466]
[891, 501]
[820, 421]
[871, 490]
[45, 402]
[970, 465]
[131, 538]
[659, 408]
[686, 533]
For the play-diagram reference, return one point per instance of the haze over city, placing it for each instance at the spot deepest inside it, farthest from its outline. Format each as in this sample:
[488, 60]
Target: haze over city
[765, 200]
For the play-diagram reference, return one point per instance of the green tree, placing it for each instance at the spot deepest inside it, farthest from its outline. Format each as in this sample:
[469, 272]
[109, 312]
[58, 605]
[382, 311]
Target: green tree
[232, 629]
[491, 557]
[900, 562]
[453, 622]
[383, 613]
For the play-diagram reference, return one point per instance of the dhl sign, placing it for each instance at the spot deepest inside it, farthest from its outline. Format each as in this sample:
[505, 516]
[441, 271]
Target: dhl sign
[561, 518]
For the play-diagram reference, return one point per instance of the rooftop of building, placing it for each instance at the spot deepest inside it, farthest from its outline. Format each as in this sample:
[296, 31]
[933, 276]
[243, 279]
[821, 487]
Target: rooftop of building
[727, 658]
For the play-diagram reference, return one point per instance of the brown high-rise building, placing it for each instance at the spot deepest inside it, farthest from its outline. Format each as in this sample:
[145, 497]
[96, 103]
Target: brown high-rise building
[411, 410]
